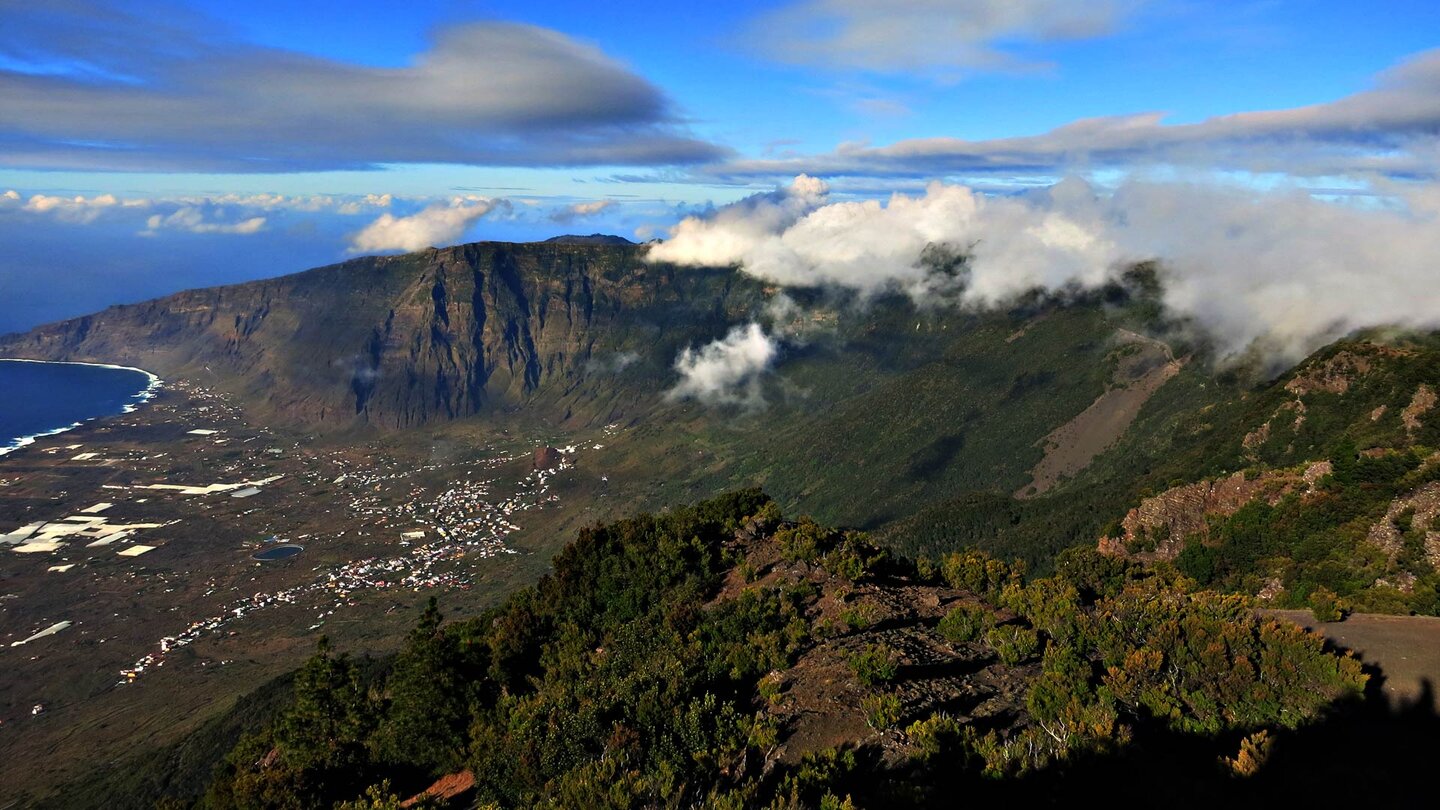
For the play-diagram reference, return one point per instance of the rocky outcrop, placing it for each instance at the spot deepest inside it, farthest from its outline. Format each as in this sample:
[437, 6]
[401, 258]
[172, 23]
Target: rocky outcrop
[398, 341]
[1416, 512]
[1420, 404]
[1333, 375]
[1160, 526]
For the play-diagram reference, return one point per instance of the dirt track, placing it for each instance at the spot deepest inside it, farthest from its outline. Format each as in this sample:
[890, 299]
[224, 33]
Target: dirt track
[1406, 648]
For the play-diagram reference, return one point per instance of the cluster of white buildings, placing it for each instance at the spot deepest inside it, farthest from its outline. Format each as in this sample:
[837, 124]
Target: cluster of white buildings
[461, 523]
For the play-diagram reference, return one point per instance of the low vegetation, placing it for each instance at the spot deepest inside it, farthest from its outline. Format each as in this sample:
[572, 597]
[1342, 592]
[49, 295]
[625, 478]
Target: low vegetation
[634, 676]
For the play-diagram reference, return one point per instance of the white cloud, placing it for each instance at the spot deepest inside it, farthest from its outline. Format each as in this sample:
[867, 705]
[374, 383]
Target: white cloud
[77, 209]
[365, 203]
[191, 219]
[435, 225]
[737, 233]
[613, 363]
[801, 239]
[581, 210]
[726, 371]
[1280, 271]
[1283, 269]
[910, 35]
[591, 208]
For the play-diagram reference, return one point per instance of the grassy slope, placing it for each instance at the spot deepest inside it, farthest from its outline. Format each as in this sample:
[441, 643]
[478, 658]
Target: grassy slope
[885, 418]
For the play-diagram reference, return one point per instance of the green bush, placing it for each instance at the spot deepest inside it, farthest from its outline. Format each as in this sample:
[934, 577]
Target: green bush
[934, 735]
[877, 664]
[965, 623]
[771, 688]
[853, 559]
[1326, 606]
[881, 711]
[860, 615]
[1013, 643]
[804, 541]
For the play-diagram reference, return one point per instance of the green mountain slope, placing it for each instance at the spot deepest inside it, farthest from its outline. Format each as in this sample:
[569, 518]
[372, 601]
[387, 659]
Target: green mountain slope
[1022, 431]
[875, 409]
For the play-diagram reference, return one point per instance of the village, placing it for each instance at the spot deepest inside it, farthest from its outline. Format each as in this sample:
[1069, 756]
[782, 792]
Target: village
[455, 531]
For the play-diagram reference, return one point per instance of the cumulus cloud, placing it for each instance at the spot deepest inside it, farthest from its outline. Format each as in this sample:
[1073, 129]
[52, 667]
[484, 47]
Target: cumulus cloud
[77, 209]
[909, 35]
[1282, 272]
[736, 233]
[726, 371]
[364, 203]
[80, 209]
[251, 213]
[191, 219]
[581, 210]
[796, 237]
[1391, 129]
[434, 225]
[137, 89]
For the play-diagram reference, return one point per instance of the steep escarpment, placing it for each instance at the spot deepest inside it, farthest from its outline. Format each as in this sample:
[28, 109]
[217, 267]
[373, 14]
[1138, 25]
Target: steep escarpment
[563, 329]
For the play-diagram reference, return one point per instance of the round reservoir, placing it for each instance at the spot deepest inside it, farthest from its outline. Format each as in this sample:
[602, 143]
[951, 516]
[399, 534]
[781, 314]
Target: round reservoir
[278, 552]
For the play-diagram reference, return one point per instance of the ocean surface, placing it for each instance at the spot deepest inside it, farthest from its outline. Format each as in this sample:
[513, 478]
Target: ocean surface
[40, 399]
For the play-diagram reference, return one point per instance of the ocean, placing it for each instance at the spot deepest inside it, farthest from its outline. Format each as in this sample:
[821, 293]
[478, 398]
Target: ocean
[41, 399]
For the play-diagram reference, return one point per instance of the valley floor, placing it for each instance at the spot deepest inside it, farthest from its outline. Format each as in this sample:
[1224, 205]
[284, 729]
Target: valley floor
[131, 605]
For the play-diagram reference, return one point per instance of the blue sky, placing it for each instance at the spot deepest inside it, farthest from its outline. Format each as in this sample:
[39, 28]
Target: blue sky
[531, 117]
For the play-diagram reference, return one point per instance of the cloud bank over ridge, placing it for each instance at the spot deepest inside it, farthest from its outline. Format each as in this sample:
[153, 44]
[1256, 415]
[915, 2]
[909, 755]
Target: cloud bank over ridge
[1278, 271]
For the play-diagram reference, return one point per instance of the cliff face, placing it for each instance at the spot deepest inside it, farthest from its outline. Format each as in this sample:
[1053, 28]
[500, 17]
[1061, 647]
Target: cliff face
[577, 331]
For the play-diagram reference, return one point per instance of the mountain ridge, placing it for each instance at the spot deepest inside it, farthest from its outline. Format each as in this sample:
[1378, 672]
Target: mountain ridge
[399, 341]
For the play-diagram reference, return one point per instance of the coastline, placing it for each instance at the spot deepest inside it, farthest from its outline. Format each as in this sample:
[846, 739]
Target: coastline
[153, 385]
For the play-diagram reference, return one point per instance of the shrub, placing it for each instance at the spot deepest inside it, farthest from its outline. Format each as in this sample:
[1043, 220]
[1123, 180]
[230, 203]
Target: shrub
[1012, 643]
[771, 687]
[926, 570]
[874, 665]
[1254, 751]
[934, 735]
[769, 514]
[1093, 574]
[965, 623]
[853, 559]
[881, 711]
[803, 542]
[860, 615]
[975, 571]
[1327, 606]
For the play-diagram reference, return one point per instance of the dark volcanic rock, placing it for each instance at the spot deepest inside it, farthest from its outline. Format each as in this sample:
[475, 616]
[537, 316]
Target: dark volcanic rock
[547, 458]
